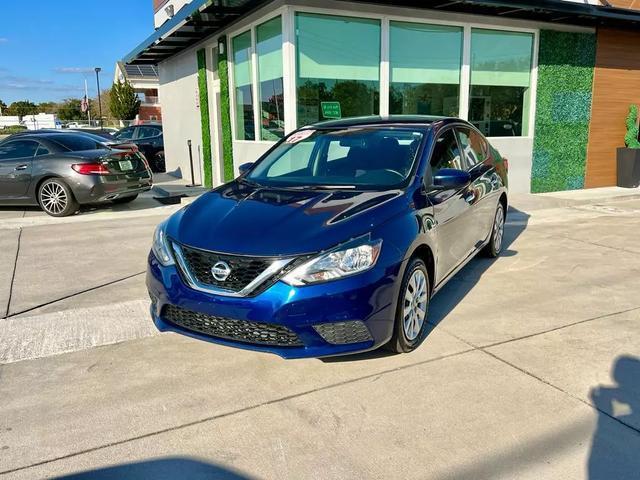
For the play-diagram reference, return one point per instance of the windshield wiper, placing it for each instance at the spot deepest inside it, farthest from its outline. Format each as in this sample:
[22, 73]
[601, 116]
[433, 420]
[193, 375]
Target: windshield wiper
[251, 183]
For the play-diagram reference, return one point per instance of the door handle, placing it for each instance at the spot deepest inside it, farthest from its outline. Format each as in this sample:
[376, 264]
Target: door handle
[470, 197]
[21, 167]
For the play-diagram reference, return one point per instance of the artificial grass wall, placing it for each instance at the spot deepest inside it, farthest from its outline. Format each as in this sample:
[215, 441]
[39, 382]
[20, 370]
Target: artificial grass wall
[225, 111]
[563, 110]
[204, 117]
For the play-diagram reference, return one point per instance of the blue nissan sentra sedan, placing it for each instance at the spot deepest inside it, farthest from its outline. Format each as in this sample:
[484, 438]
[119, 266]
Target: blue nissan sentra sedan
[334, 241]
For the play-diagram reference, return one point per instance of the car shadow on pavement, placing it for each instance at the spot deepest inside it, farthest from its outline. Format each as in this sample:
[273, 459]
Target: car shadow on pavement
[618, 408]
[458, 287]
[169, 468]
[463, 282]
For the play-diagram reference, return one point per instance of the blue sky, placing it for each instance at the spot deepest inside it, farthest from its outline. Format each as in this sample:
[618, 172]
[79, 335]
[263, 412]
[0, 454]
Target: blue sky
[48, 48]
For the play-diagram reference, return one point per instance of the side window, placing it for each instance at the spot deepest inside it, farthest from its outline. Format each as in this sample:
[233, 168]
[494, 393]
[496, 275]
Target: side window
[42, 150]
[336, 151]
[446, 153]
[18, 149]
[148, 132]
[125, 134]
[473, 145]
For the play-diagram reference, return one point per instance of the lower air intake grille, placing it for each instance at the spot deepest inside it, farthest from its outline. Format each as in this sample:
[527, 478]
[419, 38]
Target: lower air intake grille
[237, 330]
[341, 333]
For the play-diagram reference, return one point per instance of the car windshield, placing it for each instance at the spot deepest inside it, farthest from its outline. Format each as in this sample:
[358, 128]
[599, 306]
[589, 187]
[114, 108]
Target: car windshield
[352, 158]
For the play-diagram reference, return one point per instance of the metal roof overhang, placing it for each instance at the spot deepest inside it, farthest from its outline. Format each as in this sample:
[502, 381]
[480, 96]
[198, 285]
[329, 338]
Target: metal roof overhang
[192, 23]
[202, 18]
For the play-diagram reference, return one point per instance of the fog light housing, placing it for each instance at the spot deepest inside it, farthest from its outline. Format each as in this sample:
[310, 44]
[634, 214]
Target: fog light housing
[342, 333]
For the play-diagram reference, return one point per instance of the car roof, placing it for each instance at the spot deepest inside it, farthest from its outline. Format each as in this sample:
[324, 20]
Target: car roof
[377, 120]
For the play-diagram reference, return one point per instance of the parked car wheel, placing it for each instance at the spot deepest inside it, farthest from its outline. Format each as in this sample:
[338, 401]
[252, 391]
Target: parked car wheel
[56, 198]
[494, 247]
[125, 199]
[410, 327]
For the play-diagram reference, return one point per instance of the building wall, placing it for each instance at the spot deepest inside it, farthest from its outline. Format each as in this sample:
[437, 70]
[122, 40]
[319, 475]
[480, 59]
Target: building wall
[181, 117]
[178, 94]
[616, 86]
[147, 112]
[160, 15]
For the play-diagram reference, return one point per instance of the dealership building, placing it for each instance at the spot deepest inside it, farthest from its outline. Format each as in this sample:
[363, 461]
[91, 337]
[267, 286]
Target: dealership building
[549, 82]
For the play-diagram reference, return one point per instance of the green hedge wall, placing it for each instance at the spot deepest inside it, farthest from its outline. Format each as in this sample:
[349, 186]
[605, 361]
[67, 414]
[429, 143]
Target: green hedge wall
[204, 116]
[225, 112]
[563, 110]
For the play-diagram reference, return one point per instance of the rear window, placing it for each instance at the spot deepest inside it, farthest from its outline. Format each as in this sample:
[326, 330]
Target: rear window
[75, 143]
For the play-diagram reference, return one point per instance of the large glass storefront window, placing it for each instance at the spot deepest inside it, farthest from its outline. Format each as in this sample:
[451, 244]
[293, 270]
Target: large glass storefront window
[499, 99]
[424, 63]
[242, 77]
[338, 61]
[270, 80]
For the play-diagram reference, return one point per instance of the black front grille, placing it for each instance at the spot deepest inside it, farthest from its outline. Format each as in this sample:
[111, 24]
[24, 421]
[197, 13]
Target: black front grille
[342, 333]
[243, 269]
[237, 330]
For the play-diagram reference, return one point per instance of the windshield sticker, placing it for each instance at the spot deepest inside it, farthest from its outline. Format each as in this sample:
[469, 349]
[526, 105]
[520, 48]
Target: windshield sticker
[299, 136]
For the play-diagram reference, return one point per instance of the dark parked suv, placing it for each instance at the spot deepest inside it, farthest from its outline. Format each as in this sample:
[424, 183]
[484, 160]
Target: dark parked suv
[334, 241]
[149, 139]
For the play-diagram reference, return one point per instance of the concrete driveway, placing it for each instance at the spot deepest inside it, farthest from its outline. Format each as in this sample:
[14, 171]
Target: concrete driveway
[531, 370]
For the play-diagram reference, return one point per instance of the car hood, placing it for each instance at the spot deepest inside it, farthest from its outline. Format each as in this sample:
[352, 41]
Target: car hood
[241, 219]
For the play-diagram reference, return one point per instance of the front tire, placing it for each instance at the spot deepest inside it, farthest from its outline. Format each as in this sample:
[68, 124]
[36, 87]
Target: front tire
[56, 198]
[410, 327]
[494, 247]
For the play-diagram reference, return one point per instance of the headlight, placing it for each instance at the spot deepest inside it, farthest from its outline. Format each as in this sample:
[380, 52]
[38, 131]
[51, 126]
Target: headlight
[354, 257]
[160, 246]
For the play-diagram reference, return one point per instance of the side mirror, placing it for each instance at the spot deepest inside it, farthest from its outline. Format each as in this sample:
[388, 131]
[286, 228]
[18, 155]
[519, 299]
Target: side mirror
[451, 179]
[245, 167]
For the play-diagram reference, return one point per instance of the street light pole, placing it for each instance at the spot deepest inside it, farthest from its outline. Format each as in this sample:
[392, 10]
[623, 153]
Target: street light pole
[97, 69]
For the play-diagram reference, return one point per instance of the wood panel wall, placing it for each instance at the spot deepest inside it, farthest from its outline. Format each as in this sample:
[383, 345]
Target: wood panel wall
[616, 85]
[632, 4]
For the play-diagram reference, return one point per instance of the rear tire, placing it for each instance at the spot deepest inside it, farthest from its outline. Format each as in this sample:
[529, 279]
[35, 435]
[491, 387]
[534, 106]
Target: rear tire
[410, 326]
[121, 200]
[56, 198]
[494, 247]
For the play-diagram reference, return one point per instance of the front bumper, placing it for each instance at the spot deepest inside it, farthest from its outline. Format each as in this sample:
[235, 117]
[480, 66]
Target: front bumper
[99, 188]
[369, 298]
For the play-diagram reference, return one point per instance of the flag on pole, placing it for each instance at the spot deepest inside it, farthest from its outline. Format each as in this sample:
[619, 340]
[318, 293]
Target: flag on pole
[84, 104]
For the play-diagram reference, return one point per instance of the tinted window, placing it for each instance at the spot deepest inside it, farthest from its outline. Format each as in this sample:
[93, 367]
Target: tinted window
[446, 153]
[75, 143]
[18, 149]
[147, 132]
[42, 150]
[125, 134]
[473, 145]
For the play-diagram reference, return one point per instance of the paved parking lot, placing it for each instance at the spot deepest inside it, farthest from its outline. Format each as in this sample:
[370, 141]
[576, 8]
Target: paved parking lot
[532, 369]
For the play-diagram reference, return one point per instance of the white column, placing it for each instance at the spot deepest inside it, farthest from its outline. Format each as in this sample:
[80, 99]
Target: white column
[465, 74]
[384, 68]
[289, 73]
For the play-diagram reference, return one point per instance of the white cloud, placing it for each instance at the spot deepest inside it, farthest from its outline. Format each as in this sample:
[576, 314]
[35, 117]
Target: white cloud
[3, 40]
[73, 69]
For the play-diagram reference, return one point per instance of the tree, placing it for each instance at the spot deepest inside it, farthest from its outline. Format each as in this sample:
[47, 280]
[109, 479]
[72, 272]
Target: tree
[22, 108]
[48, 107]
[105, 100]
[70, 109]
[3, 108]
[124, 103]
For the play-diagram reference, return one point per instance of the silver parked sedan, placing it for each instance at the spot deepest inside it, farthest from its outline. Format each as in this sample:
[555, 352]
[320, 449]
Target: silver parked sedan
[61, 171]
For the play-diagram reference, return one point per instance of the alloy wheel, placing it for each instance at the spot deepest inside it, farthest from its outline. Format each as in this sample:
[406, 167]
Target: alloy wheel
[54, 198]
[415, 305]
[498, 229]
